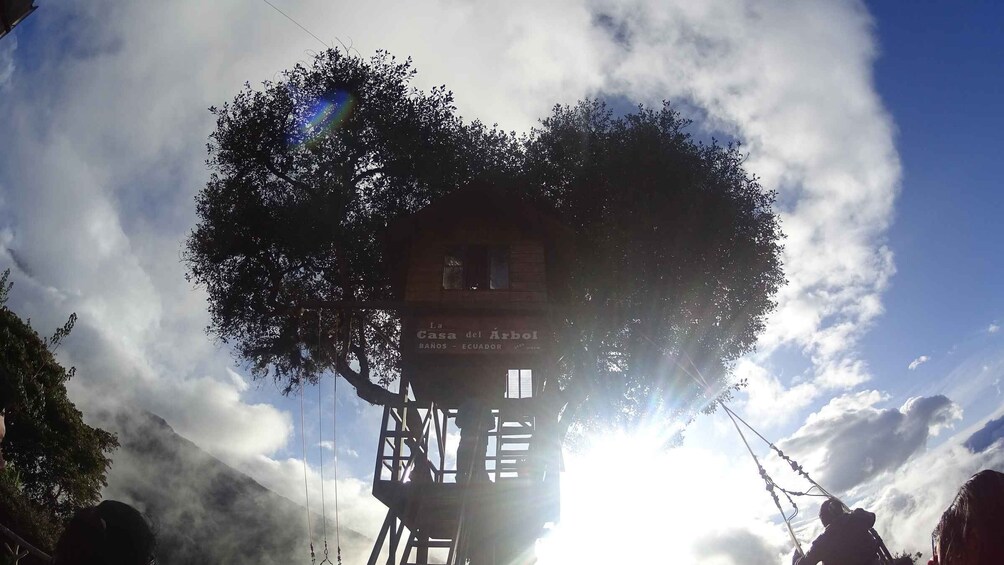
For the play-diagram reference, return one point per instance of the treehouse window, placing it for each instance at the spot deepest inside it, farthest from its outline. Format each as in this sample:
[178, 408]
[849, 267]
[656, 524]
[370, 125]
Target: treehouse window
[519, 383]
[476, 267]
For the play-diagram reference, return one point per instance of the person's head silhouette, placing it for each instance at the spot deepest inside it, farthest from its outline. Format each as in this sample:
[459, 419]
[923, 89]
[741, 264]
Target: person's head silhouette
[111, 533]
[970, 530]
[830, 510]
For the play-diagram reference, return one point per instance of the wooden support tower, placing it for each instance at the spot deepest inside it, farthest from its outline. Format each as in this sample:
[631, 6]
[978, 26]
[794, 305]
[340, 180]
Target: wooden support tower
[468, 462]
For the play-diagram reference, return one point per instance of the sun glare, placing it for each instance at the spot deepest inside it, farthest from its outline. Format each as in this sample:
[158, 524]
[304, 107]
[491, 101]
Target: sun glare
[623, 500]
[628, 498]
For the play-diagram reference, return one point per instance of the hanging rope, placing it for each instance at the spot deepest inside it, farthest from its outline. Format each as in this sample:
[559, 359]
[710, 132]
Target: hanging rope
[884, 555]
[334, 450]
[791, 462]
[770, 484]
[320, 450]
[334, 444]
[306, 494]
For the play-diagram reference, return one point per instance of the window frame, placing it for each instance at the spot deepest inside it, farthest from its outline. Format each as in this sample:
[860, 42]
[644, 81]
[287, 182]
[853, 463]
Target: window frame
[487, 252]
[518, 379]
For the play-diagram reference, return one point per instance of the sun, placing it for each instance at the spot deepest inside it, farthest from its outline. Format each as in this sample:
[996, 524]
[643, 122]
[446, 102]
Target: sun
[628, 499]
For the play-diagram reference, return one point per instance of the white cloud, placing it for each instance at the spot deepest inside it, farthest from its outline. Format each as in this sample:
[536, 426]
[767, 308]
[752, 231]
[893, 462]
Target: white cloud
[850, 441]
[238, 381]
[993, 328]
[765, 393]
[918, 362]
[357, 507]
[7, 49]
[910, 502]
[799, 117]
[738, 546]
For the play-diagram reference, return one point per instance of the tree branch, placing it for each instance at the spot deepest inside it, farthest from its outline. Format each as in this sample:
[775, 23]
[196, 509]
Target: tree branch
[295, 183]
[365, 389]
[367, 173]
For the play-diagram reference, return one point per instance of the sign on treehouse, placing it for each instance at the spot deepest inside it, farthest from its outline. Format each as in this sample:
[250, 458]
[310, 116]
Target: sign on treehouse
[469, 335]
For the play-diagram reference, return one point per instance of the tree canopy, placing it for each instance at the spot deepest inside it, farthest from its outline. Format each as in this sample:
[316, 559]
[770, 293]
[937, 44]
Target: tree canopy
[59, 461]
[678, 256]
[678, 247]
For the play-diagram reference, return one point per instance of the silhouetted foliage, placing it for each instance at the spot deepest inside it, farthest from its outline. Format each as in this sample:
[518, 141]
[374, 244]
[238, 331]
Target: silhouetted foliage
[678, 255]
[306, 174]
[56, 460]
[906, 558]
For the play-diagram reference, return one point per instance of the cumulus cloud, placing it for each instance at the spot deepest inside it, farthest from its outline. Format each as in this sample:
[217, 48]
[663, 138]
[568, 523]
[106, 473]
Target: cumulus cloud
[918, 362]
[992, 432]
[911, 501]
[850, 440]
[993, 328]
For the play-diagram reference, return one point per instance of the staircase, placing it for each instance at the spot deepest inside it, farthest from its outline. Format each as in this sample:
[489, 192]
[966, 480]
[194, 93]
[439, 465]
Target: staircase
[430, 517]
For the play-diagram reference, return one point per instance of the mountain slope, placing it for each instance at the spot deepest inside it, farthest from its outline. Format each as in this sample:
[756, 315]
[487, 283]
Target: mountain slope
[204, 511]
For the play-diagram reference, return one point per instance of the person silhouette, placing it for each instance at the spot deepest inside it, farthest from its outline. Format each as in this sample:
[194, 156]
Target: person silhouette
[111, 533]
[847, 539]
[971, 530]
[475, 420]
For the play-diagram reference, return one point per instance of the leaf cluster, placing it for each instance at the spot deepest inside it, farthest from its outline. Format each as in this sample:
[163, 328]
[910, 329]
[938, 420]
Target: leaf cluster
[295, 208]
[60, 461]
[678, 255]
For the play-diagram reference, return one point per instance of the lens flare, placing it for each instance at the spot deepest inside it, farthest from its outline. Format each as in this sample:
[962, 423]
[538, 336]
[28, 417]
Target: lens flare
[325, 116]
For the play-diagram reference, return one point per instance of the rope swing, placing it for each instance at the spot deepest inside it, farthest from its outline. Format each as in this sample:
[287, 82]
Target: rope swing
[771, 485]
[325, 558]
[306, 494]
[320, 448]
[320, 469]
[334, 444]
[884, 556]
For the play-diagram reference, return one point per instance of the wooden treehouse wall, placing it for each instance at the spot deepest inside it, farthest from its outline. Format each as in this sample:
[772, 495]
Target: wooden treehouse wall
[526, 262]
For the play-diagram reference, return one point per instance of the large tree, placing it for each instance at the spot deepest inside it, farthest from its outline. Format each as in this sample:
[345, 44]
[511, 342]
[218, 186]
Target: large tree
[676, 269]
[55, 460]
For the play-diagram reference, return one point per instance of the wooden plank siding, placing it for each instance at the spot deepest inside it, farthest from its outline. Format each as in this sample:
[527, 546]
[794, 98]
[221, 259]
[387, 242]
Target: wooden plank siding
[527, 269]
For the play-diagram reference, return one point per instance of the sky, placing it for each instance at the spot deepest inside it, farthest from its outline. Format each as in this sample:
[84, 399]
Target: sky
[877, 126]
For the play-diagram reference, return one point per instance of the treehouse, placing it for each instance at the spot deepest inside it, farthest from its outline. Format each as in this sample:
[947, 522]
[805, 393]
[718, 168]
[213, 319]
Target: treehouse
[479, 275]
